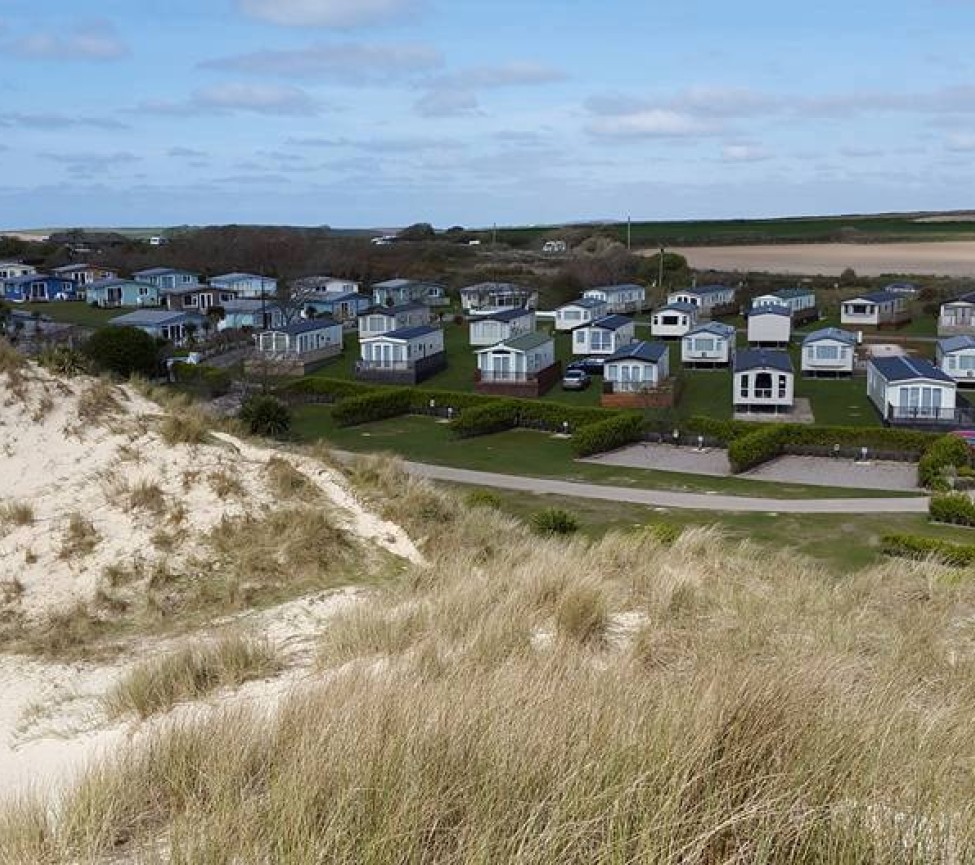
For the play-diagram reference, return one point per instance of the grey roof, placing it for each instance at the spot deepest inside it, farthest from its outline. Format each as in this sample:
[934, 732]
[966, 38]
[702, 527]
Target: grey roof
[71, 268]
[335, 297]
[403, 283]
[650, 352]
[965, 298]
[186, 289]
[610, 322]
[393, 310]
[248, 304]
[901, 287]
[704, 290]
[907, 368]
[875, 297]
[794, 292]
[503, 315]
[31, 277]
[409, 332]
[770, 309]
[234, 276]
[716, 328]
[108, 283]
[833, 333]
[956, 343]
[761, 358]
[617, 289]
[162, 271]
[154, 318]
[479, 287]
[305, 326]
[527, 341]
[678, 307]
[585, 303]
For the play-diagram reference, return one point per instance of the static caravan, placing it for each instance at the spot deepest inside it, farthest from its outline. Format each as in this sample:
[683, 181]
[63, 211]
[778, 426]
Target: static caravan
[956, 358]
[673, 321]
[911, 390]
[707, 298]
[875, 309]
[491, 297]
[524, 365]
[569, 316]
[382, 319]
[620, 299]
[770, 326]
[957, 317]
[638, 367]
[829, 352]
[246, 285]
[404, 356]
[499, 326]
[708, 345]
[605, 335]
[764, 381]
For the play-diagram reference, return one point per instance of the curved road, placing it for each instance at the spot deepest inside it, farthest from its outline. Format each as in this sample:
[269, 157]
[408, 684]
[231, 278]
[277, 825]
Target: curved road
[667, 498]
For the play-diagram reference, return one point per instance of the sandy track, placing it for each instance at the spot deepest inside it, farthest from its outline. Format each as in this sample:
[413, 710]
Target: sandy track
[951, 258]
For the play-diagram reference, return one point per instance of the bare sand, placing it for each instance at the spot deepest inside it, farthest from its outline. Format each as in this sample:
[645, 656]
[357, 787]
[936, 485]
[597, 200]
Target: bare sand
[52, 720]
[949, 258]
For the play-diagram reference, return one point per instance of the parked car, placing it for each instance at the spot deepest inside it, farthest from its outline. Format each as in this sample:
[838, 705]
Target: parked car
[589, 365]
[575, 379]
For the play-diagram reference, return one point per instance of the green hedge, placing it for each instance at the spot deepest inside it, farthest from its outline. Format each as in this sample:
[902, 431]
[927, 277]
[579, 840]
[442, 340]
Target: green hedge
[209, 380]
[486, 419]
[760, 446]
[918, 547]
[943, 453]
[607, 435]
[955, 508]
[371, 407]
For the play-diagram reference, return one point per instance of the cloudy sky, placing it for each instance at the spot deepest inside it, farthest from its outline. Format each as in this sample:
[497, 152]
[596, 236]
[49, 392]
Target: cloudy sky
[384, 112]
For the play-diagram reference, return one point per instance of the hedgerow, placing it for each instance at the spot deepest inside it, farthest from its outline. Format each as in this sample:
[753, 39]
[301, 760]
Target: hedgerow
[955, 508]
[920, 548]
[607, 435]
[486, 419]
[371, 407]
[943, 454]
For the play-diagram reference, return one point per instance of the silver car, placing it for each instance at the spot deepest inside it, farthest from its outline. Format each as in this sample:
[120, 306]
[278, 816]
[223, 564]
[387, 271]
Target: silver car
[575, 379]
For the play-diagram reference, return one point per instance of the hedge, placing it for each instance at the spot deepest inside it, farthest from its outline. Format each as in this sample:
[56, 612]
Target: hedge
[955, 508]
[943, 453]
[760, 446]
[486, 419]
[918, 547]
[607, 435]
[371, 407]
[211, 380]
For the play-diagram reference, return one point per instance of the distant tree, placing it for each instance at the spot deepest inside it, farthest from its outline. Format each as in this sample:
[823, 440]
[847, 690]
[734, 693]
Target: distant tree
[565, 286]
[848, 277]
[417, 231]
[125, 351]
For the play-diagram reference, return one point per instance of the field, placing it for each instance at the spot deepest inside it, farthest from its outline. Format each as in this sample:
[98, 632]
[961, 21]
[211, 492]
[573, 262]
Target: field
[955, 259]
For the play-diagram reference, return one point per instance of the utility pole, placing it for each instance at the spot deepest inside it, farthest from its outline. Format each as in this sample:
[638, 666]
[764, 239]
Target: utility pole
[629, 233]
[494, 236]
[660, 278]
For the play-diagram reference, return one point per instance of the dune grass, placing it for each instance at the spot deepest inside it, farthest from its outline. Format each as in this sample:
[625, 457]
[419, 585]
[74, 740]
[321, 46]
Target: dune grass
[190, 673]
[79, 538]
[638, 697]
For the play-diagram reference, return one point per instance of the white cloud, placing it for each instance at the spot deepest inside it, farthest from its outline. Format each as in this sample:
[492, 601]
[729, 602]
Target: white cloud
[338, 14]
[350, 62]
[515, 73]
[744, 153]
[238, 97]
[961, 142]
[652, 123]
[38, 120]
[93, 40]
[447, 102]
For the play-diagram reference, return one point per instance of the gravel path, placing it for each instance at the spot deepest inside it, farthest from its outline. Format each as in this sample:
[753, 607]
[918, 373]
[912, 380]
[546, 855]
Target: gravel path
[815, 471]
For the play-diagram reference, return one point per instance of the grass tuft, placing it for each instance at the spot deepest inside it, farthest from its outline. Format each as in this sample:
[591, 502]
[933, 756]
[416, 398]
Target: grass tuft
[79, 539]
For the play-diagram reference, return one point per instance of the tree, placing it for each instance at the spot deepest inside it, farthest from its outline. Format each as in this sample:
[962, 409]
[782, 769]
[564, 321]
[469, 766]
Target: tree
[417, 231]
[848, 277]
[125, 351]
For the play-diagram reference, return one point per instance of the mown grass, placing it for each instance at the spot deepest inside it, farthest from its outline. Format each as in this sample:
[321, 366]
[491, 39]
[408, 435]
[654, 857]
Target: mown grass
[190, 673]
[628, 699]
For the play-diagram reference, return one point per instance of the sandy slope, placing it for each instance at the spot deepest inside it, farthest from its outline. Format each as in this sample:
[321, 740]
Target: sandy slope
[950, 258]
[51, 720]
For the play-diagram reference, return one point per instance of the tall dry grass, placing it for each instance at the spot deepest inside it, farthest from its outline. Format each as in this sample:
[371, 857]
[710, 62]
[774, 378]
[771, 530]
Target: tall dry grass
[192, 672]
[638, 698]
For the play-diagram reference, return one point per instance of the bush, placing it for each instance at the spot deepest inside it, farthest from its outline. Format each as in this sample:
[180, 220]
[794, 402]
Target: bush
[265, 415]
[920, 548]
[760, 446]
[64, 360]
[607, 435]
[209, 380]
[942, 454]
[125, 351]
[486, 419]
[955, 508]
[372, 407]
[554, 521]
[483, 499]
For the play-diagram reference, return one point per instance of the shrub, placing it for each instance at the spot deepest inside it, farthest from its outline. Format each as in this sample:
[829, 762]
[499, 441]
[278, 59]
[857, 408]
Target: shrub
[607, 435]
[955, 508]
[79, 539]
[918, 547]
[64, 360]
[265, 415]
[125, 351]
[486, 419]
[942, 454]
[554, 521]
[372, 407]
[208, 380]
[760, 446]
[483, 499]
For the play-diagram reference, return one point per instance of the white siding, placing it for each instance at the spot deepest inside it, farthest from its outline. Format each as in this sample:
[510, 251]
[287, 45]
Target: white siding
[769, 329]
[764, 388]
[827, 355]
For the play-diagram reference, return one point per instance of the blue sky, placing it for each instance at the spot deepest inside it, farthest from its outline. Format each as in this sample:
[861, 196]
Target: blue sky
[384, 112]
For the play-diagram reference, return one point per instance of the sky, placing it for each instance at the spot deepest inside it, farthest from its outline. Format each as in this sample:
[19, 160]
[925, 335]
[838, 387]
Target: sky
[381, 113]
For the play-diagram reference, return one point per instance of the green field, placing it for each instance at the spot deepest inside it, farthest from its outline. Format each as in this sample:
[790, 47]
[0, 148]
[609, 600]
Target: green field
[874, 229]
[843, 543]
[73, 312]
[528, 453]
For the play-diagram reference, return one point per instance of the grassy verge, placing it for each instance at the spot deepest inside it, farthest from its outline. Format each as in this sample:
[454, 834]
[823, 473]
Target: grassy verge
[529, 453]
[73, 312]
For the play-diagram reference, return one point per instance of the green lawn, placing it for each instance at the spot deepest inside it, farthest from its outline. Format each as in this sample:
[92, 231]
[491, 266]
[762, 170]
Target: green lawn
[73, 312]
[843, 543]
[528, 453]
